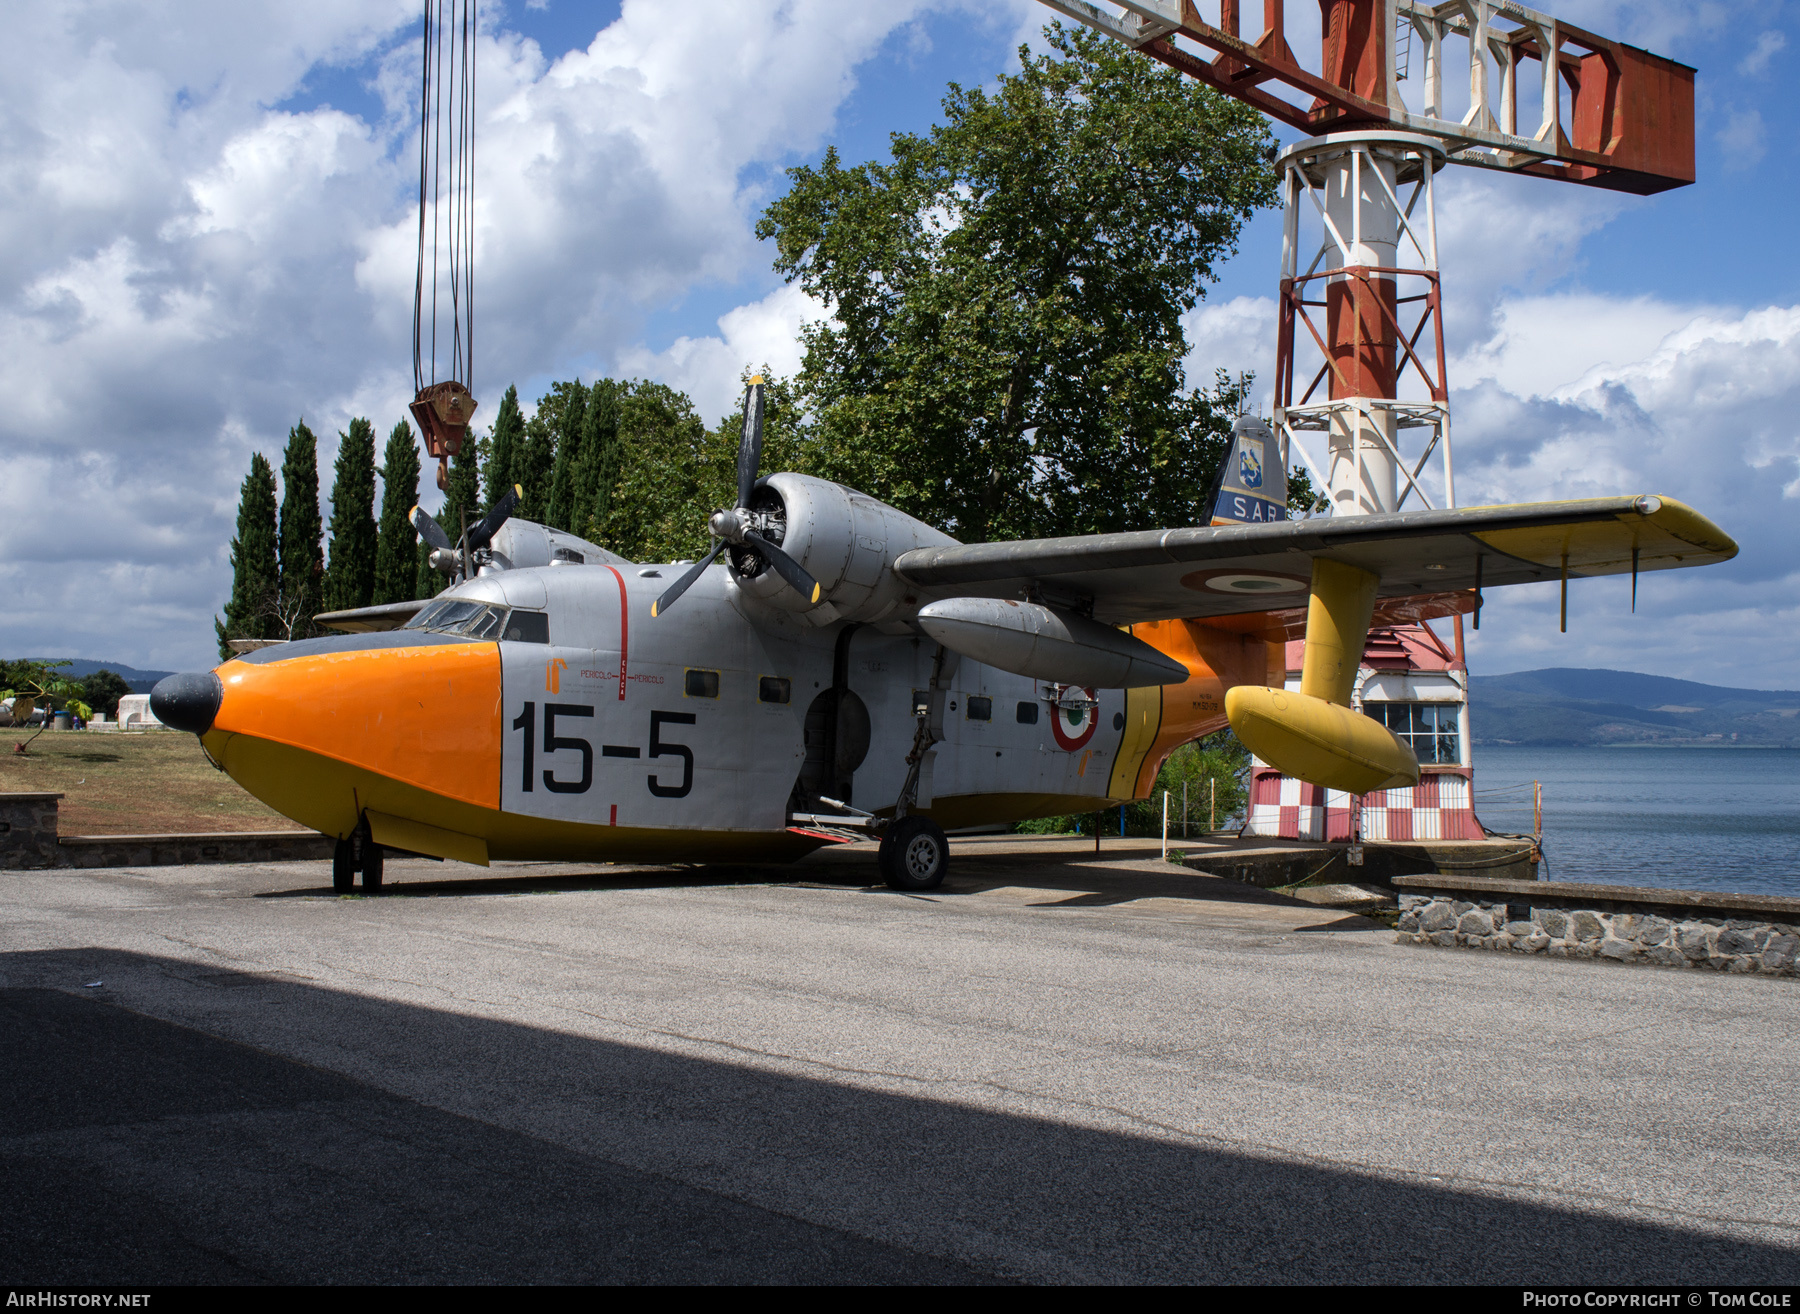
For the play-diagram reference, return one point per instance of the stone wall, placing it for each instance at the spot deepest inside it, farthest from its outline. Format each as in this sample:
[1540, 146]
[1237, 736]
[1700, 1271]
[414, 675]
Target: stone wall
[28, 832]
[1665, 928]
[29, 842]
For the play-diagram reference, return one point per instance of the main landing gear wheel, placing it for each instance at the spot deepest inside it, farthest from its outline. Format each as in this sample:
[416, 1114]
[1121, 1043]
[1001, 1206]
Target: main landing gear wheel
[914, 855]
[343, 867]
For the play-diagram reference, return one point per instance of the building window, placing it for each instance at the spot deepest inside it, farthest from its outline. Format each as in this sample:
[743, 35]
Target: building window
[701, 684]
[1431, 729]
[774, 689]
[981, 709]
[1027, 713]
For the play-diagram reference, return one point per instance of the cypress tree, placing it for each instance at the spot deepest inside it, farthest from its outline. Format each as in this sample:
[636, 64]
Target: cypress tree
[532, 466]
[571, 428]
[598, 473]
[505, 447]
[396, 569]
[255, 576]
[464, 493]
[350, 576]
[302, 556]
[427, 583]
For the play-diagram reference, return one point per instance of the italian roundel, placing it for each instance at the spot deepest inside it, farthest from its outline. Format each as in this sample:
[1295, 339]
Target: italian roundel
[1074, 721]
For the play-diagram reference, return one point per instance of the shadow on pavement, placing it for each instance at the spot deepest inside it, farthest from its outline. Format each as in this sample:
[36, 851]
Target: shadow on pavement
[134, 1151]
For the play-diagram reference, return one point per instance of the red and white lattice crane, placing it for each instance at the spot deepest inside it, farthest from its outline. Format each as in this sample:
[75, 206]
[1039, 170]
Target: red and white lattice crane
[1360, 238]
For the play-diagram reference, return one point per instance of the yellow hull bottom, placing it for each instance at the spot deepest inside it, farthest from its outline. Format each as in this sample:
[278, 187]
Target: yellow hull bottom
[331, 796]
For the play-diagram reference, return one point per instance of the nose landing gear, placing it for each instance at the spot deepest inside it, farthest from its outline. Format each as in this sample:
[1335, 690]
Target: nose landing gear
[357, 853]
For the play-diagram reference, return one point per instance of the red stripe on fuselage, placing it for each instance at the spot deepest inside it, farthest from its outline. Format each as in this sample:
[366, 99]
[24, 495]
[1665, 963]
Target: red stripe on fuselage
[624, 630]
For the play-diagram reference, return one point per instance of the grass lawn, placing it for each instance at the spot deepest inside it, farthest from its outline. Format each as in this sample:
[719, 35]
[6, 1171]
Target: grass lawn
[153, 783]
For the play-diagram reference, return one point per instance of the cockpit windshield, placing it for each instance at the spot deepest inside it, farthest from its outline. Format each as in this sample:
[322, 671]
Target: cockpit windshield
[477, 620]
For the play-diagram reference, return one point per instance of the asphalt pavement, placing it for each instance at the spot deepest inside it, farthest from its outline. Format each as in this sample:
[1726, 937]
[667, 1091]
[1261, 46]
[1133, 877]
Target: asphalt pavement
[1059, 1068]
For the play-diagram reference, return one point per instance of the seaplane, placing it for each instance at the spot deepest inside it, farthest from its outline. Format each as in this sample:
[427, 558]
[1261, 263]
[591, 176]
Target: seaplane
[834, 667]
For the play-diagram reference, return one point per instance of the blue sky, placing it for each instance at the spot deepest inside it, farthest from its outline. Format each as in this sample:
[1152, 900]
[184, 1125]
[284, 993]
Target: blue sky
[207, 219]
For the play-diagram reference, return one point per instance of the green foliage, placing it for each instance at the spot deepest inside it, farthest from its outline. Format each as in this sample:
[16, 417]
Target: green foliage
[1005, 351]
[255, 572]
[670, 477]
[1219, 759]
[396, 571]
[301, 552]
[102, 690]
[506, 441]
[40, 686]
[350, 577]
[602, 457]
[1302, 496]
[568, 405]
[427, 583]
[464, 493]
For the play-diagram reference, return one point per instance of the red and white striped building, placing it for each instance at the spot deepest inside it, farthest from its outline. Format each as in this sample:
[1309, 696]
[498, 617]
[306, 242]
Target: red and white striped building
[1419, 689]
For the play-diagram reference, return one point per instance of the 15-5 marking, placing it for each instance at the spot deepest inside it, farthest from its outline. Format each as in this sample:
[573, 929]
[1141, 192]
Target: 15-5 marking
[526, 724]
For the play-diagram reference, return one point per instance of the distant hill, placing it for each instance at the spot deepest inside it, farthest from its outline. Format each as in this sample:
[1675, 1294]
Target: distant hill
[140, 681]
[1584, 707]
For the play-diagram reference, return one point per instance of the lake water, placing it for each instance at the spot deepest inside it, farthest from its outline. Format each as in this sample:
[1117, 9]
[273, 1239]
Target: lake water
[1704, 818]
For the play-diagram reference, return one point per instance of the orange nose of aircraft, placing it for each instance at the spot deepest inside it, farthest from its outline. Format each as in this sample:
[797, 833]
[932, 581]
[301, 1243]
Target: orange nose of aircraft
[325, 731]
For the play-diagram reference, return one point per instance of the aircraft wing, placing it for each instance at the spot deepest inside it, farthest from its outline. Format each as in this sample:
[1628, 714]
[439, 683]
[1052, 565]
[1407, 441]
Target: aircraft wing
[1161, 574]
[364, 620]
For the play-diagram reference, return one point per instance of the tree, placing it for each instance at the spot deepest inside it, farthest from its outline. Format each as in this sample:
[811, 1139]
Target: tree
[570, 419]
[1004, 353]
[102, 690]
[505, 447]
[255, 572]
[598, 469]
[673, 473]
[464, 494]
[536, 457]
[350, 577]
[396, 571]
[302, 555]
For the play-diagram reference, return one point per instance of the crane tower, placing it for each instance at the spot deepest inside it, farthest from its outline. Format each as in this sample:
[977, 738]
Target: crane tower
[1360, 239]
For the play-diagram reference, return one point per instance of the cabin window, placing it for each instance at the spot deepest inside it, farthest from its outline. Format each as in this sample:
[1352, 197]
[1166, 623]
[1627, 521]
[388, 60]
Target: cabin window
[477, 620]
[774, 689]
[1027, 714]
[981, 709]
[528, 627]
[703, 684]
[1433, 730]
[921, 702]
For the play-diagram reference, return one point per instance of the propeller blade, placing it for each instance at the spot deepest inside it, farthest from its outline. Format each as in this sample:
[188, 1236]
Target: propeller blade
[429, 529]
[786, 567]
[681, 585]
[750, 445]
[480, 536]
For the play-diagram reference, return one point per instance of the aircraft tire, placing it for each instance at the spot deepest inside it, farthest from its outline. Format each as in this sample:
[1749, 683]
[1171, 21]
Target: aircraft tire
[372, 862]
[343, 867]
[914, 855]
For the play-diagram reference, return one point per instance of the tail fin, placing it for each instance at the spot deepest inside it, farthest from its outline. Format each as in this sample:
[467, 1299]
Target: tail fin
[1251, 487]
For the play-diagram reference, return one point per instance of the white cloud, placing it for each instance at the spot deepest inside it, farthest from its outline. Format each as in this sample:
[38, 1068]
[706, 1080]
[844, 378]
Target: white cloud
[1544, 343]
[185, 270]
[709, 369]
[1768, 45]
[1744, 139]
[1237, 336]
[1708, 417]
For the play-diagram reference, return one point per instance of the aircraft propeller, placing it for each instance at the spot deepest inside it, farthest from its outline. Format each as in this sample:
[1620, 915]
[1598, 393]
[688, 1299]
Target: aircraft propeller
[444, 555]
[739, 527]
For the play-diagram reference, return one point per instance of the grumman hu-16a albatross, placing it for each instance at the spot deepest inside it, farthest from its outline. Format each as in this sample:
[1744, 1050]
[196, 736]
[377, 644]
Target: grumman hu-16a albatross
[847, 668]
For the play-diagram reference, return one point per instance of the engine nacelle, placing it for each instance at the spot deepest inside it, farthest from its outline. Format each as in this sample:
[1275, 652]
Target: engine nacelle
[845, 539]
